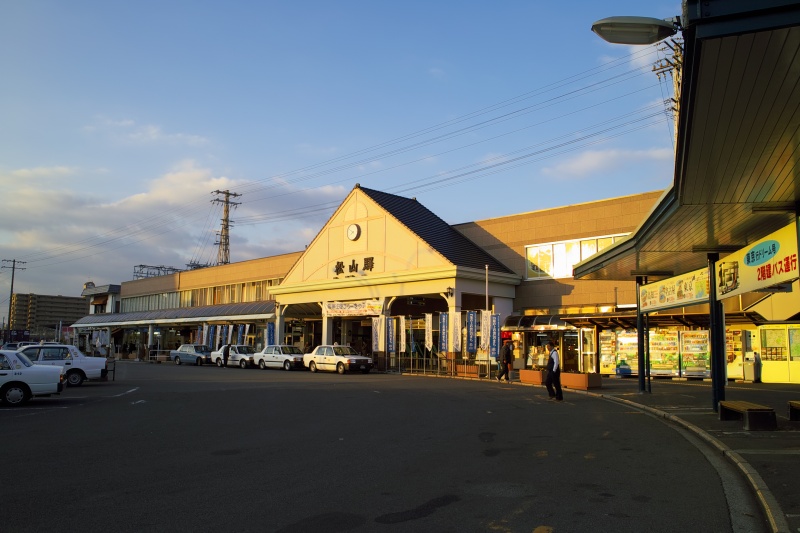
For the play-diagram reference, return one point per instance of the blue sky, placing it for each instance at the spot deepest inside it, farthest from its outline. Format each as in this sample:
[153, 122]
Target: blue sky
[121, 118]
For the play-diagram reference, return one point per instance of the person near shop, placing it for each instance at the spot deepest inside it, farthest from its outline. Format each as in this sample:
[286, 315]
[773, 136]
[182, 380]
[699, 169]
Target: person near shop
[553, 379]
[505, 361]
[226, 352]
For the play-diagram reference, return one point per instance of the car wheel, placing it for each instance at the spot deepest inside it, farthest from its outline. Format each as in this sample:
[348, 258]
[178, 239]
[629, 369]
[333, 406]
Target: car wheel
[287, 365]
[177, 360]
[75, 378]
[262, 365]
[198, 361]
[15, 394]
[312, 366]
[340, 368]
[243, 364]
[219, 362]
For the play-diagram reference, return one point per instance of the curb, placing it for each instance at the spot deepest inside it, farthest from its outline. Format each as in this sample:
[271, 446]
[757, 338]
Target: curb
[769, 505]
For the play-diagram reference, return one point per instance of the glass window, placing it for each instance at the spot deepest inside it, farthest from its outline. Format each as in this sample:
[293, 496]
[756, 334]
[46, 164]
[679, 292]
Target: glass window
[561, 267]
[604, 243]
[4, 364]
[588, 248]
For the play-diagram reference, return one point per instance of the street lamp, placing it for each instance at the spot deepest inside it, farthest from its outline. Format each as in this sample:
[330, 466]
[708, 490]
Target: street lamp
[636, 30]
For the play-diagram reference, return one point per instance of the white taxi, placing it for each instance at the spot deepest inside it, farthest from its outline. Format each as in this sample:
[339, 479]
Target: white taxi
[20, 379]
[338, 358]
[282, 356]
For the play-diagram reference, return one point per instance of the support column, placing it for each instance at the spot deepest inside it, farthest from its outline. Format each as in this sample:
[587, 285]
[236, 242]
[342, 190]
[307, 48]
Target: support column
[716, 336]
[347, 332]
[327, 330]
[640, 280]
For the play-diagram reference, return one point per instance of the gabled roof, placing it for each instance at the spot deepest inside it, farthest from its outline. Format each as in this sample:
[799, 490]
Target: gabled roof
[101, 289]
[440, 235]
[240, 311]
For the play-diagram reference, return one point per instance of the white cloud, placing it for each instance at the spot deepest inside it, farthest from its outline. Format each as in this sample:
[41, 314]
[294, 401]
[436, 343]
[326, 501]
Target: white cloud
[129, 130]
[43, 172]
[604, 161]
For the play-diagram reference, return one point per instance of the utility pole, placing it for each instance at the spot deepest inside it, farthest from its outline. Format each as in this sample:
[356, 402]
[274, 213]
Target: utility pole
[13, 268]
[672, 67]
[224, 253]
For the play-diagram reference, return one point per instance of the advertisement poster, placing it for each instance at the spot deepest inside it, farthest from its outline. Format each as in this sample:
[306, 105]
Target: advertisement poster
[686, 289]
[366, 307]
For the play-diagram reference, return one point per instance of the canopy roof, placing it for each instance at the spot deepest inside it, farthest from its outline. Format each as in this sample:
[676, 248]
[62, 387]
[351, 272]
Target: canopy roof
[737, 177]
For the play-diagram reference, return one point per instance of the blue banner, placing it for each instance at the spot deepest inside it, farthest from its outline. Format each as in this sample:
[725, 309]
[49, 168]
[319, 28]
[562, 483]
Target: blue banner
[443, 332]
[472, 331]
[494, 336]
[240, 334]
[389, 334]
[199, 338]
[212, 341]
[270, 333]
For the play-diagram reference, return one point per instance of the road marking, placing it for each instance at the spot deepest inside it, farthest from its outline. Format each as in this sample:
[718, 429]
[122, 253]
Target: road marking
[124, 393]
[768, 452]
[137, 401]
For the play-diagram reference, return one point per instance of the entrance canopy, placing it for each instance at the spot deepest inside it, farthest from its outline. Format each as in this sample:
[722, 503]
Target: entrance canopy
[737, 176]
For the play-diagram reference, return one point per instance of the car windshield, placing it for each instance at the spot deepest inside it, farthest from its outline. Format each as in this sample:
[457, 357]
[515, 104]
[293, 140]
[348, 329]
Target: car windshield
[292, 350]
[202, 349]
[344, 350]
[24, 359]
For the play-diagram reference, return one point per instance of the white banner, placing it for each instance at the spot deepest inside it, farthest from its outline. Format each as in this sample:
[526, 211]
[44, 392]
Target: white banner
[456, 336]
[486, 318]
[365, 307]
[205, 339]
[376, 334]
[230, 333]
[428, 331]
[401, 326]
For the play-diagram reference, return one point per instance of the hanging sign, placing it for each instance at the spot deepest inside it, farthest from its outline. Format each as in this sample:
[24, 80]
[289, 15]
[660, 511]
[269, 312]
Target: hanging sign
[376, 334]
[428, 331]
[770, 261]
[678, 291]
[402, 328]
[485, 321]
[270, 333]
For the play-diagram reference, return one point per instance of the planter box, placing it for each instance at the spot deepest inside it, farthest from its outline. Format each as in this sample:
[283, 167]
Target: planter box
[532, 377]
[581, 381]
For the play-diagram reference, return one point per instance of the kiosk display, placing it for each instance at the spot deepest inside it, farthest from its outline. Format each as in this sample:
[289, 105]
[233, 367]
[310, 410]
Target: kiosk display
[695, 361]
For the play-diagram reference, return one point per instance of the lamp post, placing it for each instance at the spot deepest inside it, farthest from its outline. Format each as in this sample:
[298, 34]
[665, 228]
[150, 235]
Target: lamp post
[636, 30]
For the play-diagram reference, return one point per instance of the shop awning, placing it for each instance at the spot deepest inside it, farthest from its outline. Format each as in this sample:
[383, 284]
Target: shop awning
[228, 313]
[100, 300]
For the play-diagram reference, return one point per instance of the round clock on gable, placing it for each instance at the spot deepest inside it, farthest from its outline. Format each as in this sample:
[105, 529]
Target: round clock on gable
[353, 232]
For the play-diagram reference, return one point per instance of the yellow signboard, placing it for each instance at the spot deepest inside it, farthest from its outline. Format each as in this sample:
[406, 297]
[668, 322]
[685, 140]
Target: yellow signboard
[770, 261]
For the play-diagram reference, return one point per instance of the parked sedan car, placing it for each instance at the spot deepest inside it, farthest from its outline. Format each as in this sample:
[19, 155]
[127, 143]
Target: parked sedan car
[338, 358]
[20, 379]
[279, 356]
[194, 354]
[240, 355]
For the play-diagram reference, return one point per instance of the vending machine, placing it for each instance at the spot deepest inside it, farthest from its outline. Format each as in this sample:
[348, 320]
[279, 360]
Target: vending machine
[738, 343]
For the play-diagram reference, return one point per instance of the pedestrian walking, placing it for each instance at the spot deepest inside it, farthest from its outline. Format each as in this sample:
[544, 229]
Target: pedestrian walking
[505, 361]
[226, 352]
[553, 379]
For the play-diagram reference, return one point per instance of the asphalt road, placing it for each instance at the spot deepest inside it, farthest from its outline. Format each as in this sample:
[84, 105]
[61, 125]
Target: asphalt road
[183, 448]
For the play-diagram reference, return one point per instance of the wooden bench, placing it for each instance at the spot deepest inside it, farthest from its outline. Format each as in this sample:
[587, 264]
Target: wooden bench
[755, 416]
[794, 410]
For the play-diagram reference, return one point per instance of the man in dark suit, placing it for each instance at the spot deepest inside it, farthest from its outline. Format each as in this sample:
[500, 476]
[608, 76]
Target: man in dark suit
[553, 379]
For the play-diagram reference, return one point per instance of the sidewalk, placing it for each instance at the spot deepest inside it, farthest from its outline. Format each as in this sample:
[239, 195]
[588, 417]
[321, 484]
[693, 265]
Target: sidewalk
[770, 460]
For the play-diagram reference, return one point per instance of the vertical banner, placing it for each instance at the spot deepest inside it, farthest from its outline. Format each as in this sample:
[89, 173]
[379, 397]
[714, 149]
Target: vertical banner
[198, 339]
[456, 332]
[240, 334]
[494, 337]
[402, 329]
[443, 329]
[376, 334]
[213, 337]
[389, 334]
[428, 331]
[206, 339]
[472, 331]
[229, 331]
[246, 330]
[485, 321]
[270, 333]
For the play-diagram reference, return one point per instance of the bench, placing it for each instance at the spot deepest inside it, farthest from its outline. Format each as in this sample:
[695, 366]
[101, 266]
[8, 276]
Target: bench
[755, 416]
[794, 410]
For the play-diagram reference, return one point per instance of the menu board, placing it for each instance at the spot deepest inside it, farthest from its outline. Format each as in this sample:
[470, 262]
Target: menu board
[664, 353]
[695, 354]
[627, 352]
[608, 352]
